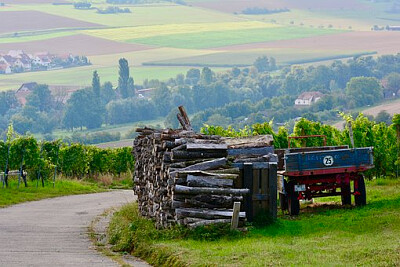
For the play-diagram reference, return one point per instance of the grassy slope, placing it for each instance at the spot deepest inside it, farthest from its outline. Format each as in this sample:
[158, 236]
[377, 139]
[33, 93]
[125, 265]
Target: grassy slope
[13, 195]
[231, 37]
[326, 235]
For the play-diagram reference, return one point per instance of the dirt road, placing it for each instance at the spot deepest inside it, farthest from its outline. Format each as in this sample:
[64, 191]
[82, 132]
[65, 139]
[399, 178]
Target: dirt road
[53, 232]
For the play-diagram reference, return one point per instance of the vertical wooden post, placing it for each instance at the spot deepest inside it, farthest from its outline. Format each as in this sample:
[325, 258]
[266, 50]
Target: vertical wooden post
[351, 134]
[272, 186]
[5, 177]
[248, 183]
[235, 215]
[55, 169]
[20, 168]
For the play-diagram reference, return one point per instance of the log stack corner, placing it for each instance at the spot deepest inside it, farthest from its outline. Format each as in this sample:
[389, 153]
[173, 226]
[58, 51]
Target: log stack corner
[182, 177]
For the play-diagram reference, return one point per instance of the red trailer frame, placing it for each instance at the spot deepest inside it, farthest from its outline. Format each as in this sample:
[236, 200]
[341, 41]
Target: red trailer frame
[308, 184]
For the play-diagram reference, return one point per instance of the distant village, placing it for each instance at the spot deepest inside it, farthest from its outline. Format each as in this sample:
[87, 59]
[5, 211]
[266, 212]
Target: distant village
[17, 61]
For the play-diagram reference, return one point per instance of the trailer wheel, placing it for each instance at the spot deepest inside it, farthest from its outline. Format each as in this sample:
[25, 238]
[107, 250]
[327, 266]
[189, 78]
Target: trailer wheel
[360, 192]
[345, 194]
[283, 201]
[293, 202]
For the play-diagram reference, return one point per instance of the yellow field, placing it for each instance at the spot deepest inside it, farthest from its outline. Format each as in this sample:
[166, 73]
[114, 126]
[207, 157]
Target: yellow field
[128, 33]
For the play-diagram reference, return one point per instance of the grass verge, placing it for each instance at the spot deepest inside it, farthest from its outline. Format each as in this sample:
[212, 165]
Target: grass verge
[13, 195]
[324, 234]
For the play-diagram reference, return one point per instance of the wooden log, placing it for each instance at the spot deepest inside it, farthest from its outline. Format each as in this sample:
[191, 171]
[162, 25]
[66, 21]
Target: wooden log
[206, 165]
[178, 154]
[207, 222]
[187, 125]
[206, 146]
[208, 181]
[212, 191]
[184, 174]
[260, 151]
[226, 171]
[206, 213]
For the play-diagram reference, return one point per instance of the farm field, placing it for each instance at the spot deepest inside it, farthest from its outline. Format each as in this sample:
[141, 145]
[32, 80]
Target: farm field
[131, 33]
[231, 6]
[391, 107]
[161, 13]
[247, 57]
[77, 44]
[183, 35]
[324, 234]
[382, 42]
[230, 37]
[82, 76]
[15, 21]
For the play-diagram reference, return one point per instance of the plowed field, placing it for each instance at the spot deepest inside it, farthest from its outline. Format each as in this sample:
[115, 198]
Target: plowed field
[16, 21]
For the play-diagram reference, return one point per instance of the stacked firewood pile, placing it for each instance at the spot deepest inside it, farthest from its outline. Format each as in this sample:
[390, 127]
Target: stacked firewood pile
[182, 177]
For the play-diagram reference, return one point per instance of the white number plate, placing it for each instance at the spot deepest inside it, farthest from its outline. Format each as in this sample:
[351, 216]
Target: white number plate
[299, 187]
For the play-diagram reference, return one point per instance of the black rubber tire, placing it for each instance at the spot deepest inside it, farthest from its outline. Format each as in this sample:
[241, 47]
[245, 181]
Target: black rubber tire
[283, 201]
[361, 198]
[345, 194]
[293, 202]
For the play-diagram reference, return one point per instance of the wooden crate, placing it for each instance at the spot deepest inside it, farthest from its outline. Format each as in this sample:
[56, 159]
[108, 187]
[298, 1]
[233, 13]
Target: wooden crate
[261, 179]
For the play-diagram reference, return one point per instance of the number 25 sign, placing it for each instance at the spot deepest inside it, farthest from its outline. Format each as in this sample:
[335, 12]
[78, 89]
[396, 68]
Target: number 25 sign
[328, 160]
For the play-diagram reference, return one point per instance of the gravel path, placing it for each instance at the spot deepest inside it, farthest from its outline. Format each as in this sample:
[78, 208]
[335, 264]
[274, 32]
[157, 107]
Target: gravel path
[53, 232]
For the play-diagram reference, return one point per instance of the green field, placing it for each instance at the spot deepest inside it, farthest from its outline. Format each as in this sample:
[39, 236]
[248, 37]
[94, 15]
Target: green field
[231, 37]
[82, 76]
[324, 235]
[247, 58]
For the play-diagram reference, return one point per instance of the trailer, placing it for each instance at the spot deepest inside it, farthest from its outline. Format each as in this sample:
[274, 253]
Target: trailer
[311, 172]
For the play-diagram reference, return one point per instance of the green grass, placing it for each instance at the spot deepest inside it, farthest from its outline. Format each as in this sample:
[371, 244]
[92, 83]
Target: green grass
[13, 195]
[246, 58]
[82, 76]
[325, 235]
[231, 37]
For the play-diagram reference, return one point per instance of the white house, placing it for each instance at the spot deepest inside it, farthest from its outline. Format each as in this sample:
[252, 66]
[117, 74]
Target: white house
[308, 98]
[5, 68]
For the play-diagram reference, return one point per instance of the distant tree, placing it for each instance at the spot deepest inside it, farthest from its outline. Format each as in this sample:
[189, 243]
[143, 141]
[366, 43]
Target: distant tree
[383, 116]
[83, 111]
[8, 101]
[162, 99]
[364, 91]
[207, 76]
[96, 84]
[393, 82]
[131, 87]
[261, 64]
[193, 76]
[41, 98]
[123, 78]
[107, 92]
[82, 5]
